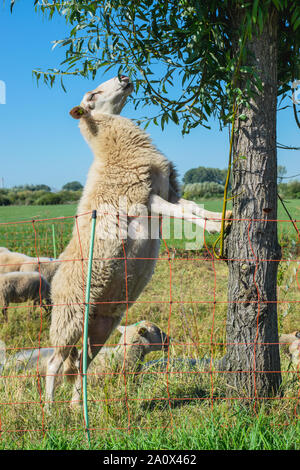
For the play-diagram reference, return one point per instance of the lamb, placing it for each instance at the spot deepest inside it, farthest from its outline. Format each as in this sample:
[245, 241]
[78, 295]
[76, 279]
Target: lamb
[27, 359]
[135, 343]
[12, 261]
[127, 167]
[293, 340]
[20, 287]
[46, 266]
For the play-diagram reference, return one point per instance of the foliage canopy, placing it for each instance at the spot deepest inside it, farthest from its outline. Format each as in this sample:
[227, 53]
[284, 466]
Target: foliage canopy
[72, 186]
[203, 175]
[185, 55]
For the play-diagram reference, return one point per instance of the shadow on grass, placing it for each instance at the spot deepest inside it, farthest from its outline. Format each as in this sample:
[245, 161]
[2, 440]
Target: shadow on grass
[197, 395]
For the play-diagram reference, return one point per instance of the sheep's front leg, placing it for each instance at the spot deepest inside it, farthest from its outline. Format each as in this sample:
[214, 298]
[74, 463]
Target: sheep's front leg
[160, 206]
[98, 333]
[197, 210]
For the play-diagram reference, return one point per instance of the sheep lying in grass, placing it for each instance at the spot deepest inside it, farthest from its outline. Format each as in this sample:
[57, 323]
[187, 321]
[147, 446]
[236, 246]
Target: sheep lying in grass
[293, 342]
[136, 342]
[27, 359]
[11, 261]
[126, 166]
[19, 287]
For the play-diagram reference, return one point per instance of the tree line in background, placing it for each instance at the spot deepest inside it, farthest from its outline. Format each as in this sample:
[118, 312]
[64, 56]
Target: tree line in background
[198, 183]
[40, 194]
[202, 182]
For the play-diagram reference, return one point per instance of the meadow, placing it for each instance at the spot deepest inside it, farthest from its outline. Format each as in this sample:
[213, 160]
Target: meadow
[175, 409]
[21, 226]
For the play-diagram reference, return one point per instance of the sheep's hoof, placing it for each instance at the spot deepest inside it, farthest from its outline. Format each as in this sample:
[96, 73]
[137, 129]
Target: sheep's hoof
[212, 226]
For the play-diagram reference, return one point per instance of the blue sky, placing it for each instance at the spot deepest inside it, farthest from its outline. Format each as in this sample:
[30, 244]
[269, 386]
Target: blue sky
[41, 143]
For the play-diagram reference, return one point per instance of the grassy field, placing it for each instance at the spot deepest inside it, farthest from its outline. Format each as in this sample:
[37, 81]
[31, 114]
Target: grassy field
[28, 230]
[181, 409]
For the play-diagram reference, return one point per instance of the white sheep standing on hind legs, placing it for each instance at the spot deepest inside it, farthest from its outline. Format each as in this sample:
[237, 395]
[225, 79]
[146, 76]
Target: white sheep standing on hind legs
[126, 165]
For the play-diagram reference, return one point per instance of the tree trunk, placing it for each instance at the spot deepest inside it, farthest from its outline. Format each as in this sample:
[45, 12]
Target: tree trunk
[252, 358]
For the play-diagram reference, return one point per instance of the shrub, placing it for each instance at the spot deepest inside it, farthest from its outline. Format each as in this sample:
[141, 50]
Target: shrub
[290, 190]
[4, 191]
[4, 200]
[203, 190]
[203, 174]
[47, 199]
[69, 196]
[72, 186]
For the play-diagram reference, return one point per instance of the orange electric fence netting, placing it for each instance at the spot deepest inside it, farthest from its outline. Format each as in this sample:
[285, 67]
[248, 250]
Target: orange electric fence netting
[187, 298]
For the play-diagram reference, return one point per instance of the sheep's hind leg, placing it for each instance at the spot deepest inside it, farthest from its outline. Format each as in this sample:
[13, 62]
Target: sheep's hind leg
[54, 365]
[99, 331]
[4, 313]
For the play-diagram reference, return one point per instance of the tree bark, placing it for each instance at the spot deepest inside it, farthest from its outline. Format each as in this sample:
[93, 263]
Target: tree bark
[252, 358]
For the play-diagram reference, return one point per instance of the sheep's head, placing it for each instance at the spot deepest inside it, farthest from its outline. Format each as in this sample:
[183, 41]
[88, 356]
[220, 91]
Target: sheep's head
[147, 334]
[108, 98]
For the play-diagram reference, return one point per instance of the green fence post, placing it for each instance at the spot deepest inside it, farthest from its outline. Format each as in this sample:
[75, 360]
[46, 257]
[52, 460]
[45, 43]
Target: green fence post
[54, 241]
[86, 322]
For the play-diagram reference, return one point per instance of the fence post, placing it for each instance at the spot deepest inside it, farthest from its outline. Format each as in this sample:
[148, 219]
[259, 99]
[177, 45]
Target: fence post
[54, 241]
[86, 322]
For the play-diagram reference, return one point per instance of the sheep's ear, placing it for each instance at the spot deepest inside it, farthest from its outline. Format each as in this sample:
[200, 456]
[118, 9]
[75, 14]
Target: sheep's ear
[77, 112]
[121, 328]
[142, 331]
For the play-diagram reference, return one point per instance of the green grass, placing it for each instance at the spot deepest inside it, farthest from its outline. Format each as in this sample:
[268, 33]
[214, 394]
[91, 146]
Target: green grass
[17, 213]
[21, 237]
[33, 234]
[23, 213]
[245, 432]
[193, 406]
[178, 410]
